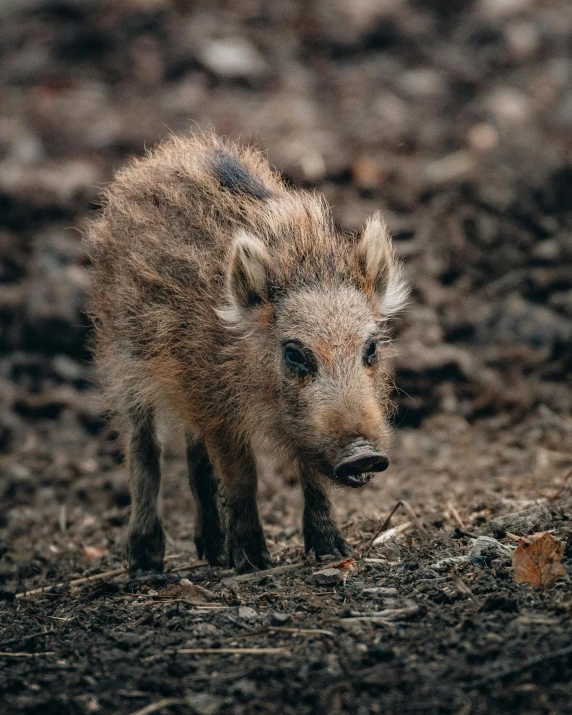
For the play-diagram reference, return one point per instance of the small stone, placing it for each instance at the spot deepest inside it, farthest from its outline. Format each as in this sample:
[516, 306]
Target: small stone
[204, 703]
[528, 521]
[244, 688]
[328, 577]
[450, 168]
[422, 82]
[509, 106]
[548, 250]
[523, 39]
[67, 369]
[203, 630]
[233, 58]
[487, 546]
[247, 613]
[279, 619]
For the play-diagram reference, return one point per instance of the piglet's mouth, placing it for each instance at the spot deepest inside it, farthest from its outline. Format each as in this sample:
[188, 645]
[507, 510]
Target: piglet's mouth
[358, 462]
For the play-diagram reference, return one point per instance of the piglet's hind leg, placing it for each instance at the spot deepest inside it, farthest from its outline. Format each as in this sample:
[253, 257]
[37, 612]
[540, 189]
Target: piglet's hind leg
[146, 538]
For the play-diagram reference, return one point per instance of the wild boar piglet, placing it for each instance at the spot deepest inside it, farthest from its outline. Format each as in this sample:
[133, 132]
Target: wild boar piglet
[230, 302]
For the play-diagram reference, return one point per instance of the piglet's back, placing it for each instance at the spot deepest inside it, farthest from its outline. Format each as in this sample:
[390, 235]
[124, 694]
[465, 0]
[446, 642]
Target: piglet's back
[188, 194]
[159, 254]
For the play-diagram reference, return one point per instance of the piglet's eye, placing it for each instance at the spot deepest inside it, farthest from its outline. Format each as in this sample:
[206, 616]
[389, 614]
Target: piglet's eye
[370, 353]
[296, 360]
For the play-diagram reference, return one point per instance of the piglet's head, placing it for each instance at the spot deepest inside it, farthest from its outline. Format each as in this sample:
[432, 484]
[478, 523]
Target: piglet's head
[321, 339]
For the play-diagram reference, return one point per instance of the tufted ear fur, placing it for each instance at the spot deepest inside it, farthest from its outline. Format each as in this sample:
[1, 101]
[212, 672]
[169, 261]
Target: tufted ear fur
[381, 271]
[248, 280]
[250, 270]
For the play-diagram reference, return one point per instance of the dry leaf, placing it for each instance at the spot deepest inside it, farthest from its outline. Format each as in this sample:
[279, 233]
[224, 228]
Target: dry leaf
[344, 566]
[91, 553]
[537, 560]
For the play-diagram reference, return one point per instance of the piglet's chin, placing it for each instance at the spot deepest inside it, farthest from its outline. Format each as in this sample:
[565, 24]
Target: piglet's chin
[355, 481]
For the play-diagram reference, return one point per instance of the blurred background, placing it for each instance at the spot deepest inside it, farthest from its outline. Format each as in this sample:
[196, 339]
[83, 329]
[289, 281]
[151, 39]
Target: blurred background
[454, 117]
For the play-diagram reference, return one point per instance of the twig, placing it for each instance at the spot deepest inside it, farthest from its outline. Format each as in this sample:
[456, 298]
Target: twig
[86, 579]
[512, 537]
[294, 631]
[159, 705]
[76, 582]
[388, 614]
[412, 517]
[415, 519]
[268, 572]
[223, 651]
[463, 532]
[196, 604]
[522, 667]
[390, 533]
[192, 565]
[462, 586]
[455, 514]
[302, 631]
[384, 526]
[371, 619]
[239, 651]
[24, 639]
[5, 654]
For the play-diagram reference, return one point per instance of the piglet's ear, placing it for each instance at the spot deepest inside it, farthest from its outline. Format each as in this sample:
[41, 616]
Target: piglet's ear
[379, 268]
[250, 272]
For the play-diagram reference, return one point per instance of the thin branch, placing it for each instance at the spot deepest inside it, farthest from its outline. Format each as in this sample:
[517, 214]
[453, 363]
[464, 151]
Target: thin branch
[390, 533]
[455, 515]
[196, 604]
[412, 517]
[303, 631]
[24, 639]
[268, 572]
[5, 654]
[89, 579]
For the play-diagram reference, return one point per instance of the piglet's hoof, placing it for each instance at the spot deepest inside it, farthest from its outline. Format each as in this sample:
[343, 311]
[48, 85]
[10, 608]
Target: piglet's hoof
[146, 550]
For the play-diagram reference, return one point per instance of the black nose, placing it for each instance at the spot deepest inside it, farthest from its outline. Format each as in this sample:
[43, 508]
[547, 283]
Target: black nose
[361, 463]
[357, 461]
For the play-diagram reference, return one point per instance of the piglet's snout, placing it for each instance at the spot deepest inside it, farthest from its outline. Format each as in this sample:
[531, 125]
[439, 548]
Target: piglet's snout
[357, 462]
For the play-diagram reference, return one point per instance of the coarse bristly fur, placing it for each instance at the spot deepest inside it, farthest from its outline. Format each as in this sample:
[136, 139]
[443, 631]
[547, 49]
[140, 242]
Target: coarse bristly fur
[205, 267]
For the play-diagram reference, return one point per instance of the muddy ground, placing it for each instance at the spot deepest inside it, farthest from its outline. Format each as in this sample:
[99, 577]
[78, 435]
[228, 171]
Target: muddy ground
[455, 118]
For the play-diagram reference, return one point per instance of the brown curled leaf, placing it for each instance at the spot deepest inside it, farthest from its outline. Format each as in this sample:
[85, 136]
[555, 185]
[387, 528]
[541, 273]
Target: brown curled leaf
[537, 560]
[345, 565]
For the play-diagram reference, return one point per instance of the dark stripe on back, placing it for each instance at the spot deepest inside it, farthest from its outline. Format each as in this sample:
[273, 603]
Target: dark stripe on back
[235, 178]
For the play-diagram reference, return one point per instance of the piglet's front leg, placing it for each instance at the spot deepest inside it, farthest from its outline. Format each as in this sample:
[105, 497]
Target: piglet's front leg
[321, 533]
[246, 542]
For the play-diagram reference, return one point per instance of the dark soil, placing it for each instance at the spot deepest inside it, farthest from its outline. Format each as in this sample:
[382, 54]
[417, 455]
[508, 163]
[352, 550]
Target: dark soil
[453, 118]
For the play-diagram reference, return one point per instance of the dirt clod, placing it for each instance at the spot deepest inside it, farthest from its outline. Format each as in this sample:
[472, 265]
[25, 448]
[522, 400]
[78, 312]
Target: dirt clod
[537, 518]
